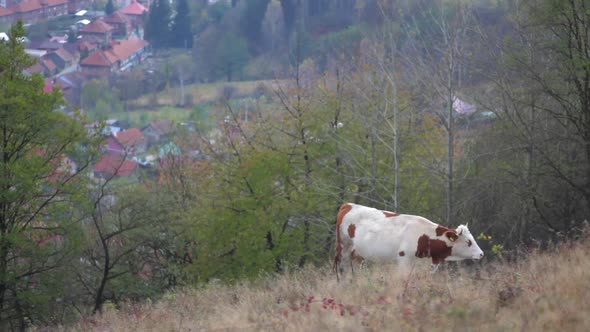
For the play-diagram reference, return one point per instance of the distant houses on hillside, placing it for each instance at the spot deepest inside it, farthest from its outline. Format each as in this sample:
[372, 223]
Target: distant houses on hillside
[34, 11]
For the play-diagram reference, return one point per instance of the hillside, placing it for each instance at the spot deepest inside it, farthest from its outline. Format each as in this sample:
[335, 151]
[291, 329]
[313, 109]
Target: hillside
[542, 291]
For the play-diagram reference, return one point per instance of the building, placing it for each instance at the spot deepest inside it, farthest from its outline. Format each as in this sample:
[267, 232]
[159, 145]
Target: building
[33, 11]
[121, 55]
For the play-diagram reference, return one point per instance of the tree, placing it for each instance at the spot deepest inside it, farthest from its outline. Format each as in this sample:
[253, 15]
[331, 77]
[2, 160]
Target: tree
[109, 7]
[232, 55]
[542, 97]
[289, 15]
[434, 52]
[44, 154]
[182, 26]
[157, 29]
[251, 21]
[116, 261]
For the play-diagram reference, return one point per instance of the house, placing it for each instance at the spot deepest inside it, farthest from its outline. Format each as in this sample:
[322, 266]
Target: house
[44, 66]
[62, 58]
[86, 48]
[158, 131]
[121, 23]
[99, 63]
[111, 166]
[135, 11]
[97, 31]
[71, 85]
[122, 55]
[128, 142]
[33, 11]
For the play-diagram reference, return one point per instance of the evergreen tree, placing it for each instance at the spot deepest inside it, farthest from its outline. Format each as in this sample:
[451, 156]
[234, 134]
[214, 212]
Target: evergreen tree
[39, 185]
[157, 30]
[251, 20]
[181, 26]
[109, 7]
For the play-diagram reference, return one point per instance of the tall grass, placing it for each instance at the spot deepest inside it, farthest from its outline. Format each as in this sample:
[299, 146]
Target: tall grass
[547, 291]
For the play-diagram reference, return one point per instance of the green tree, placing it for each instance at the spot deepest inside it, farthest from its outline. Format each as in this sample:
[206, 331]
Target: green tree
[542, 97]
[232, 55]
[157, 29]
[182, 26]
[39, 185]
[251, 21]
[109, 8]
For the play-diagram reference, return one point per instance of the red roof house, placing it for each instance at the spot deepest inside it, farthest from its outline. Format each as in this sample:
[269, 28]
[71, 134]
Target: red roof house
[135, 12]
[98, 31]
[110, 166]
[32, 11]
[127, 142]
[121, 55]
[120, 22]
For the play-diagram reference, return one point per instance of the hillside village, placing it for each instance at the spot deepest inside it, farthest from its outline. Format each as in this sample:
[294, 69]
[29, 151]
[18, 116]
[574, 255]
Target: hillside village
[105, 44]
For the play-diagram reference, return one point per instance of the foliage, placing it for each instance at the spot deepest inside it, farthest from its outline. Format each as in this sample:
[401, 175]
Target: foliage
[157, 27]
[181, 30]
[251, 21]
[109, 7]
[44, 155]
[232, 56]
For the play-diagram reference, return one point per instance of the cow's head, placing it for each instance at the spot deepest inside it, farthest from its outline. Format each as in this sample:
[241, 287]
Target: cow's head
[464, 245]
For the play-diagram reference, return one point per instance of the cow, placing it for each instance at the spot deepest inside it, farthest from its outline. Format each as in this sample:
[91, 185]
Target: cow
[365, 233]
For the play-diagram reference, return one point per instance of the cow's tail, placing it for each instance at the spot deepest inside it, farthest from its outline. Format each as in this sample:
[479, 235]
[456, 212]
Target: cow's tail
[338, 258]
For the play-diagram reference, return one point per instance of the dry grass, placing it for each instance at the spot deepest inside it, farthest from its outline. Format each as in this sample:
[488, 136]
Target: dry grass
[545, 291]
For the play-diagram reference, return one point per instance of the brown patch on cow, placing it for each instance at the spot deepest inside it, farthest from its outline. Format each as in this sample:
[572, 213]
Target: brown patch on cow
[401, 253]
[351, 230]
[390, 214]
[440, 230]
[434, 248]
[344, 209]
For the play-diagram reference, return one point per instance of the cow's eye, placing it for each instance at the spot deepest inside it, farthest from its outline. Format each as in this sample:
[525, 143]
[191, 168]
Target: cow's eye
[469, 243]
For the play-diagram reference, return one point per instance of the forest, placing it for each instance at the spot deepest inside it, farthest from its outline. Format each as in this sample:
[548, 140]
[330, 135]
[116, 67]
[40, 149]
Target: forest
[461, 111]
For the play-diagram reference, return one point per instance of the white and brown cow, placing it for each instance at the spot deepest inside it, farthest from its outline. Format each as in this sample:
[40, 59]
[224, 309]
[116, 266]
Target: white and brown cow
[365, 233]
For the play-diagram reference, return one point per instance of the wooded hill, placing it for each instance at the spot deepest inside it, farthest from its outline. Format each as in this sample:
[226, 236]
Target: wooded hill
[459, 111]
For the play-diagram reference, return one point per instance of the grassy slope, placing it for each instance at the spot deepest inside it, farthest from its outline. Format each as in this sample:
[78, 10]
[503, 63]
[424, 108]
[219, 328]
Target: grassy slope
[163, 106]
[546, 291]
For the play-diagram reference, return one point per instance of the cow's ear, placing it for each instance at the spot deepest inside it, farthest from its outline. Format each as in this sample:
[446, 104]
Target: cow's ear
[452, 236]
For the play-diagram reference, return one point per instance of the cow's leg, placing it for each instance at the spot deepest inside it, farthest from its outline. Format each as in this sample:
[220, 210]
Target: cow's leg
[345, 260]
[355, 259]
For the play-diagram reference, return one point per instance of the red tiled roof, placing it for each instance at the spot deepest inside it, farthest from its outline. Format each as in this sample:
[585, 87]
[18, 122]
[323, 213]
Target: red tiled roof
[97, 26]
[52, 3]
[117, 17]
[129, 137]
[123, 49]
[100, 58]
[27, 6]
[86, 46]
[48, 63]
[6, 11]
[64, 54]
[30, 5]
[36, 68]
[134, 8]
[113, 165]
